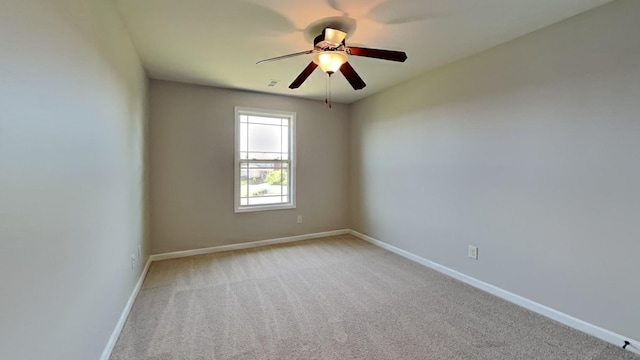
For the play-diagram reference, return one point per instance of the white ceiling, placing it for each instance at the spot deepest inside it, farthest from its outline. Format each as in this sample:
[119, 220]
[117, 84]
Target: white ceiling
[217, 42]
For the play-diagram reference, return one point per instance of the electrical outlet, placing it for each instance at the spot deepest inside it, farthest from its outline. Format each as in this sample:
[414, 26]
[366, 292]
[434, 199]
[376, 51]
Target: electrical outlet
[133, 261]
[139, 251]
[473, 252]
[299, 219]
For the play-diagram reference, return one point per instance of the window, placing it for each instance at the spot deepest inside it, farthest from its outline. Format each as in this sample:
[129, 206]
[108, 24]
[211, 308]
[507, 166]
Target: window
[265, 160]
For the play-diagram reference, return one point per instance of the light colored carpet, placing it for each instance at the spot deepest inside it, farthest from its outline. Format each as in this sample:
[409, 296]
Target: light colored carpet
[333, 298]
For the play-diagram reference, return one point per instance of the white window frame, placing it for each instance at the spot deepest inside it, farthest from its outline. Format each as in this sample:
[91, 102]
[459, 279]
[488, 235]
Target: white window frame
[240, 110]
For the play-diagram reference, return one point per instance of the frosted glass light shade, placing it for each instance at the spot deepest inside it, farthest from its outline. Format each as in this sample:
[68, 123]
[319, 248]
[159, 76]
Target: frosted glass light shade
[334, 36]
[330, 61]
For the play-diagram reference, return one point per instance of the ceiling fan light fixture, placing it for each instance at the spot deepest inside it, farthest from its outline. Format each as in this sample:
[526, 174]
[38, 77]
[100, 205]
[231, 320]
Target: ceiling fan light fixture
[330, 61]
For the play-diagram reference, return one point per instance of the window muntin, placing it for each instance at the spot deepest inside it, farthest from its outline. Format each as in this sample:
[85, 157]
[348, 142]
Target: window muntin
[265, 166]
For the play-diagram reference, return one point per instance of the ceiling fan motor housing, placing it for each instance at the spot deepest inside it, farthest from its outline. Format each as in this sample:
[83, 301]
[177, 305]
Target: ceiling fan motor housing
[324, 43]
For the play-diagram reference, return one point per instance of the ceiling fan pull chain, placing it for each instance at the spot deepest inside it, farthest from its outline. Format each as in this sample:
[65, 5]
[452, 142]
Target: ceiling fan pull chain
[329, 87]
[327, 95]
[326, 92]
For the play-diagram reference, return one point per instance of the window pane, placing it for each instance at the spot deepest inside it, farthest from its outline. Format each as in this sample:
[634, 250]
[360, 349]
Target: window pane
[244, 141]
[264, 183]
[285, 138]
[264, 120]
[265, 138]
[264, 142]
[265, 156]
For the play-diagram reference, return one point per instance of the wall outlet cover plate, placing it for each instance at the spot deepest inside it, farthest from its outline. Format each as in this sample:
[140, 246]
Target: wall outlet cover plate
[473, 252]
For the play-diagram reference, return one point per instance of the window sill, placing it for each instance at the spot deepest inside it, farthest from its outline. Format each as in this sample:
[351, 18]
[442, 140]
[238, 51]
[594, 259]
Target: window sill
[264, 208]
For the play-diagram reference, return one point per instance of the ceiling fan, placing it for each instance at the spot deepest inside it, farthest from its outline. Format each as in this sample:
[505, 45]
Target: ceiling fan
[330, 54]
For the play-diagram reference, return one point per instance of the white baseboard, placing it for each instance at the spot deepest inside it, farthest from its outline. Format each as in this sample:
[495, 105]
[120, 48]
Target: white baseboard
[246, 245]
[125, 313]
[594, 330]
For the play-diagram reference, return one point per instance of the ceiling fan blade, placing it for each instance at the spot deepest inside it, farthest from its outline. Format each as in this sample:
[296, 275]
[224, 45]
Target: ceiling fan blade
[286, 56]
[391, 55]
[303, 75]
[335, 6]
[352, 76]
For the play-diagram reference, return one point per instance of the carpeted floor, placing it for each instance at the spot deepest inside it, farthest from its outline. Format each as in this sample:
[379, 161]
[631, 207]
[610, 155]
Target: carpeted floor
[333, 298]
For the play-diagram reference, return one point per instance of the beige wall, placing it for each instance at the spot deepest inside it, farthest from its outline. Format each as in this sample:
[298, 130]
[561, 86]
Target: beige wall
[72, 118]
[192, 164]
[530, 152]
